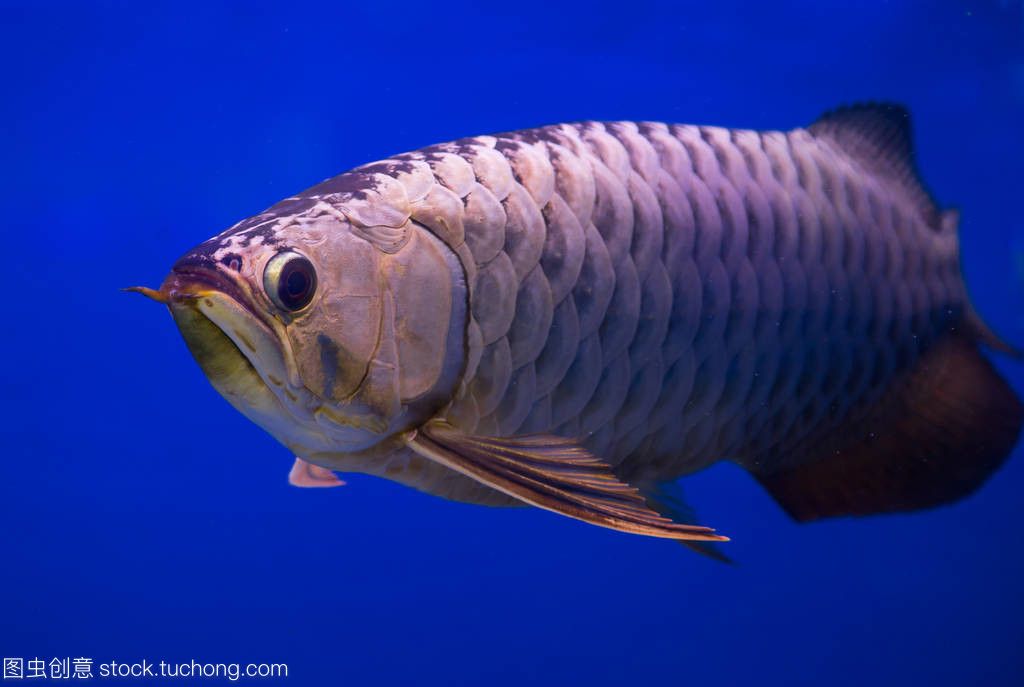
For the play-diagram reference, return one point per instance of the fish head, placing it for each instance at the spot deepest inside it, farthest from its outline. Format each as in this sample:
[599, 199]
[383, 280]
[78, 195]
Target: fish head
[334, 337]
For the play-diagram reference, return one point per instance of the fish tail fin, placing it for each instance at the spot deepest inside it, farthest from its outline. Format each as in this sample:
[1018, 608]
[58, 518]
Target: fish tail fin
[945, 425]
[935, 437]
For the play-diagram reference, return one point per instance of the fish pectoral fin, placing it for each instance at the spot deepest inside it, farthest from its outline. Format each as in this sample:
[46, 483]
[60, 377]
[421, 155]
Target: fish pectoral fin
[667, 499]
[935, 437]
[306, 474]
[555, 474]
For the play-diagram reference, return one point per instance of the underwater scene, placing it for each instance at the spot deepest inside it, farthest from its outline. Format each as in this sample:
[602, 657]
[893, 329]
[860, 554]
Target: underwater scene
[528, 343]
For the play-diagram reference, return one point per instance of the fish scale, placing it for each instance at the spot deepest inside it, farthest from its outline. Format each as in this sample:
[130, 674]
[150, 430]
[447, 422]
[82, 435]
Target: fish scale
[574, 315]
[688, 285]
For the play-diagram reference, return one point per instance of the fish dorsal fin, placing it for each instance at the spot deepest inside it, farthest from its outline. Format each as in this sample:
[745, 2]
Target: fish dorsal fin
[553, 473]
[935, 437]
[878, 136]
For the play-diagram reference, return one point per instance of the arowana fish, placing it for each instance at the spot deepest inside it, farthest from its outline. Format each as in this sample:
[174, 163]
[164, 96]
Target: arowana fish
[575, 316]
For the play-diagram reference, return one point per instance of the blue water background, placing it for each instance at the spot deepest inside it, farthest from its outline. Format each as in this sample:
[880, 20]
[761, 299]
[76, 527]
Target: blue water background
[142, 517]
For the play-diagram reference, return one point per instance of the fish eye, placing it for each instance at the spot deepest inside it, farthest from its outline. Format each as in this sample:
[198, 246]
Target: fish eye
[290, 281]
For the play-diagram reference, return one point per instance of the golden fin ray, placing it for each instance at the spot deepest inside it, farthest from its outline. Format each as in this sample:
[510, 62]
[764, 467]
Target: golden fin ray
[555, 474]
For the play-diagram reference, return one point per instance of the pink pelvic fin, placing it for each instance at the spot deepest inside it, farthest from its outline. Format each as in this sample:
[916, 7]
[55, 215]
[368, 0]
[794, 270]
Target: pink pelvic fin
[304, 474]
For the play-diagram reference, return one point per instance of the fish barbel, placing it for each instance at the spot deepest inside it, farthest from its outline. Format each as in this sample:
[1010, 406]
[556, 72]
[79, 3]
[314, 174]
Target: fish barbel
[575, 316]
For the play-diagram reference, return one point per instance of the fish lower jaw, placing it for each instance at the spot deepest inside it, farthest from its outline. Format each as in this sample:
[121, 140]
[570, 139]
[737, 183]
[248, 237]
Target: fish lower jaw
[220, 359]
[229, 370]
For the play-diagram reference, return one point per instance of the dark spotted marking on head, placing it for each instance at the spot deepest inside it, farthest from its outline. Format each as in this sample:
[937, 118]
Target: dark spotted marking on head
[428, 155]
[503, 145]
[260, 225]
[290, 206]
[201, 256]
[388, 167]
[507, 145]
[232, 261]
[467, 141]
[464, 147]
[545, 134]
[267, 232]
[433, 153]
[355, 185]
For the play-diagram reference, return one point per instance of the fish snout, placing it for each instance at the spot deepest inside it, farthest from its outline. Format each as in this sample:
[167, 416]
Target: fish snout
[196, 275]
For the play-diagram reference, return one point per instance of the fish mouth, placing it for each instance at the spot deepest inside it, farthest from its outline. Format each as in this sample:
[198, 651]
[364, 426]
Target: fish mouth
[245, 353]
[190, 282]
[220, 358]
[238, 348]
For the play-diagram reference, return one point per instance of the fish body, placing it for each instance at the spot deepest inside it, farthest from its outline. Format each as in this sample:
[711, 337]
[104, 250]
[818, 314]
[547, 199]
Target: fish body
[575, 315]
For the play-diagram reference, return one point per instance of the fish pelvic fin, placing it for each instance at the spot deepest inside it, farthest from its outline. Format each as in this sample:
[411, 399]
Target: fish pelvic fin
[879, 137]
[553, 473]
[933, 438]
[306, 474]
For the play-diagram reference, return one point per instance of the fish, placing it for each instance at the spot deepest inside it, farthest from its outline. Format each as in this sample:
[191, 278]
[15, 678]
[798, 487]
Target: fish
[574, 317]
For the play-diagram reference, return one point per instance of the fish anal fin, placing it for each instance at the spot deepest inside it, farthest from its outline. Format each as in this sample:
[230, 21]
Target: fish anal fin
[306, 474]
[934, 438]
[879, 137]
[553, 473]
